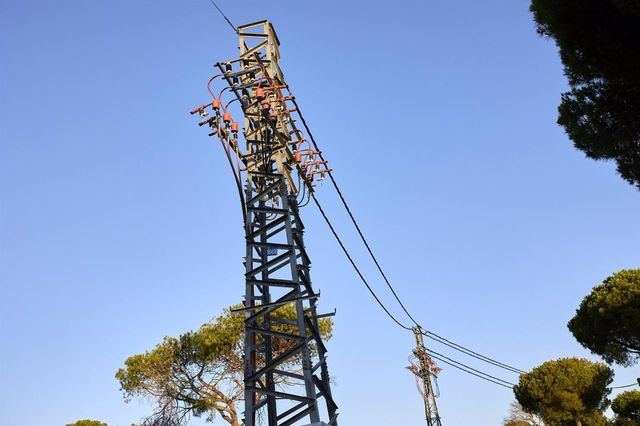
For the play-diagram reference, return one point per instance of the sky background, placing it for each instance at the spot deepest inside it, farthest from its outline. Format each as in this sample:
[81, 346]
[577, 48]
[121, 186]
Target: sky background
[120, 222]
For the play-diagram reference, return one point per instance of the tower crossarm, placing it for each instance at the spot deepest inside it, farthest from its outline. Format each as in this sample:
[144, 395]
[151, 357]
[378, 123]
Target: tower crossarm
[257, 83]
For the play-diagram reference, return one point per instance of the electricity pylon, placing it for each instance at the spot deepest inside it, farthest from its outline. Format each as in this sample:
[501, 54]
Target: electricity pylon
[280, 170]
[425, 371]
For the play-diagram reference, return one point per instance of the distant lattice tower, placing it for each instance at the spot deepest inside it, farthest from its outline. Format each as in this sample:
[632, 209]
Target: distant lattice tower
[425, 371]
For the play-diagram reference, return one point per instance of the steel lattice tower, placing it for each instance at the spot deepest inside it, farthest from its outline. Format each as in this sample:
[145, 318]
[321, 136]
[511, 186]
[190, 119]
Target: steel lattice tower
[278, 172]
[425, 371]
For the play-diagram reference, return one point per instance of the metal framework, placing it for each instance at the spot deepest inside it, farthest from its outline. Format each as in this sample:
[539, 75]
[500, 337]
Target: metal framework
[285, 368]
[426, 372]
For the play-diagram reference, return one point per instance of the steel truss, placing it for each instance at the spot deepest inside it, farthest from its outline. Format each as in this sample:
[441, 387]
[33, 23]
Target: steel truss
[285, 367]
[426, 371]
[279, 230]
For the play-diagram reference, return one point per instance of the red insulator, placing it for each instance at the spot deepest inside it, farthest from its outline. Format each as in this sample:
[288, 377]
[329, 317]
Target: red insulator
[215, 104]
[265, 105]
[234, 126]
[297, 156]
[226, 117]
[259, 93]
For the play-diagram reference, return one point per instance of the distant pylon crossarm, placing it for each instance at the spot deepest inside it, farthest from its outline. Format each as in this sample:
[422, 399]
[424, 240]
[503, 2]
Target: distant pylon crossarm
[275, 174]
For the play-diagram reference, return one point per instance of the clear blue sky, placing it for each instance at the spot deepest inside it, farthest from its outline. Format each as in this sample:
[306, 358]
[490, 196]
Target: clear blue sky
[120, 223]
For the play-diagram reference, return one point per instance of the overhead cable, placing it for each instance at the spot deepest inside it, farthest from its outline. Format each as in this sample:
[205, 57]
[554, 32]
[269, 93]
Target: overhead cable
[224, 16]
[353, 219]
[353, 264]
[460, 348]
[432, 352]
[626, 386]
[427, 333]
[457, 364]
[470, 372]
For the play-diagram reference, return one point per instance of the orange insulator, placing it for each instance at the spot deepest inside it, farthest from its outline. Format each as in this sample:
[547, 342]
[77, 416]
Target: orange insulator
[226, 117]
[215, 104]
[234, 126]
[259, 93]
[297, 156]
[310, 152]
[265, 105]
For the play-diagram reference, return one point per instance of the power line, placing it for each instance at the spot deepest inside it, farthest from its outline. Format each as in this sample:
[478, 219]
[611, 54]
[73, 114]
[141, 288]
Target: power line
[429, 334]
[353, 219]
[346, 252]
[626, 386]
[470, 372]
[432, 352]
[457, 364]
[235, 29]
[460, 348]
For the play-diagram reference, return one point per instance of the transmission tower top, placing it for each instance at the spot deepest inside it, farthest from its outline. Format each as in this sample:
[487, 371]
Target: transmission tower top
[258, 84]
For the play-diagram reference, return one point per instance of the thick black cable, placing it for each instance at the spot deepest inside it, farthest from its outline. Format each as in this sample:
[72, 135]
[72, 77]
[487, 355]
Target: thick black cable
[625, 386]
[433, 336]
[375, 260]
[470, 372]
[224, 16]
[353, 219]
[432, 352]
[346, 252]
[436, 355]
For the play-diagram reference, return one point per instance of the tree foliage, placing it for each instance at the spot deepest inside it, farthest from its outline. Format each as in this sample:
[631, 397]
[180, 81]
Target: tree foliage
[608, 319]
[627, 407]
[566, 391]
[621, 421]
[598, 43]
[87, 422]
[201, 372]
